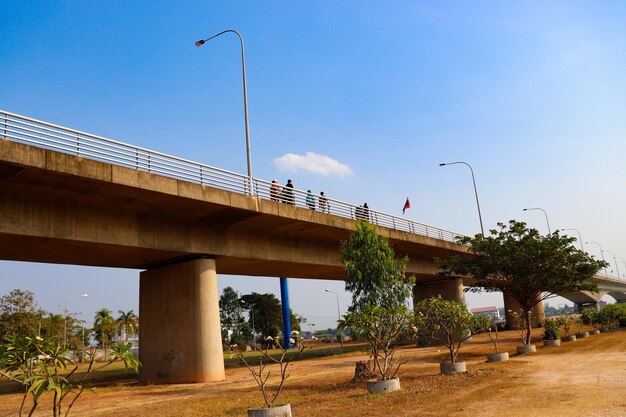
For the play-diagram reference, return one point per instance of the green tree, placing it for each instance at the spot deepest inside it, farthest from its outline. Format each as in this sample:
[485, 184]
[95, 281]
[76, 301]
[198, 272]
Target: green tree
[42, 364]
[127, 323]
[19, 314]
[373, 275]
[384, 329]
[104, 328]
[448, 322]
[527, 266]
[265, 313]
[235, 330]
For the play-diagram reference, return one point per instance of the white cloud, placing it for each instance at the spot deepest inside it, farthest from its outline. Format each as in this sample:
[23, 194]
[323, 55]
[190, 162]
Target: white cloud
[313, 163]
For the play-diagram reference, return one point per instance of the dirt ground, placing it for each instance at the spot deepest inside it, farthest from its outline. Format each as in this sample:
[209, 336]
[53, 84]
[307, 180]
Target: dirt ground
[582, 378]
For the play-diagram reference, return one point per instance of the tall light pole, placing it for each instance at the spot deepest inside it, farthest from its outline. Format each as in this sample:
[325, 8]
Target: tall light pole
[580, 238]
[614, 260]
[623, 261]
[480, 217]
[544, 213]
[245, 96]
[601, 254]
[65, 317]
[338, 312]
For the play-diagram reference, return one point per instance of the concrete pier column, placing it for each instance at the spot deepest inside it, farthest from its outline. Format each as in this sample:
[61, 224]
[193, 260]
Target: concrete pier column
[448, 288]
[179, 336]
[510, 304]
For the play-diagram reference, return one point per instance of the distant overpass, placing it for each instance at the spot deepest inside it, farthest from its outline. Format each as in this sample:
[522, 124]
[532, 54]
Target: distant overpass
[74, 198]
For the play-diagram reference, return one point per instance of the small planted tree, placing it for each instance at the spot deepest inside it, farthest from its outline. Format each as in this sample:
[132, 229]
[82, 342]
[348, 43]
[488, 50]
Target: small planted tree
[380, 289]
[590, 317]
[41, 365]
[450, 323]
[525, 265]
[552, 332]
[491, 328]
[384, 329]
[261, 375]
[568, 322]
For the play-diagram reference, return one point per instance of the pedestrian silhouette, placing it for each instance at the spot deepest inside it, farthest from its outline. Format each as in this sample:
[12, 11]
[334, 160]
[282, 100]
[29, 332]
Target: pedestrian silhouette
[310, 200]
[275, 191]
[323, 203]
[288, 197]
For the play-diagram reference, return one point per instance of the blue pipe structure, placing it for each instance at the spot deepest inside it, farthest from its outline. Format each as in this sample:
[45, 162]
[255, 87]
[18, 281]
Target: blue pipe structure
[284, 300]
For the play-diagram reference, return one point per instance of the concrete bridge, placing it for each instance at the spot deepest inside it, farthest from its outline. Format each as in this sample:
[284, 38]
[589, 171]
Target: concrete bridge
[69, 197]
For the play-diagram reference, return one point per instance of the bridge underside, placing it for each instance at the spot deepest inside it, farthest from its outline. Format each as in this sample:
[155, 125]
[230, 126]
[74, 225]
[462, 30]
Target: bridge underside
[59, 208]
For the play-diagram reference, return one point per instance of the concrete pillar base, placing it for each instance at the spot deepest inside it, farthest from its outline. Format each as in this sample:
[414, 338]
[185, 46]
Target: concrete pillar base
[179, 335]
[449, 289]
[511, 305]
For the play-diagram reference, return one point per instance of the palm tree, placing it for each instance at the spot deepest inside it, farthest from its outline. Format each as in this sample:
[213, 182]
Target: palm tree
[104, 327]
[127, 322]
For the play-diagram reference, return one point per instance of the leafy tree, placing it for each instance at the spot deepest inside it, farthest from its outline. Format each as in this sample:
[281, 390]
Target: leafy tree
[104, 327]
[373, 275]
[127, 322]
[384, 329]
[448, 322]
[266, 313]
[55, 326]
[527, 266]
[19, 314]
[41, 364]
[235, 330]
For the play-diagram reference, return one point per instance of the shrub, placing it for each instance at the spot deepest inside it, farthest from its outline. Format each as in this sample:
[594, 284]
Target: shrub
[552, 329]
[591, 316]
[567, 321]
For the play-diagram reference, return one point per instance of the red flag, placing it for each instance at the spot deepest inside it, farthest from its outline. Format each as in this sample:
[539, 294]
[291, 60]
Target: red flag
[407, 205]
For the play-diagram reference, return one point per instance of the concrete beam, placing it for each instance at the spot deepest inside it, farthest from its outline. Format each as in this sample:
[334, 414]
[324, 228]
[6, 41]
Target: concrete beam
[179, 336]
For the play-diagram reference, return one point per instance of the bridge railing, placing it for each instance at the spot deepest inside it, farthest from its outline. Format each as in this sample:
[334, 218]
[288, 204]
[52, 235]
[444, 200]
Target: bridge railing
[58, 138]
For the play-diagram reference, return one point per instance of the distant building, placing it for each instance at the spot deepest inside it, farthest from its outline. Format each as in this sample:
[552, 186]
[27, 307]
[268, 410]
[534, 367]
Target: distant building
[486, 311]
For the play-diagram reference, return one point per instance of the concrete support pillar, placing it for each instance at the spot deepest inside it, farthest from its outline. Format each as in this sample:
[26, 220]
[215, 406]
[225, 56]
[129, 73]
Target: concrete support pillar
[449, 289]
[580, 307]
[284, 300]
[510, 304]
[179, 335]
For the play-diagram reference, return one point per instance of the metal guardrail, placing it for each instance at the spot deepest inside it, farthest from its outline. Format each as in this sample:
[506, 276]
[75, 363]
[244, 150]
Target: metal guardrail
[58, 138]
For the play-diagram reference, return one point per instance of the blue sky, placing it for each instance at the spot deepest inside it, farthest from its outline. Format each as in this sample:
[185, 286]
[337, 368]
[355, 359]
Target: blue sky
[531, 94]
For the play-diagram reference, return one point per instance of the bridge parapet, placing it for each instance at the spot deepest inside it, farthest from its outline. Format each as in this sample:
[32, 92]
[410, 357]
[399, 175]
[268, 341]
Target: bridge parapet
[45, 135]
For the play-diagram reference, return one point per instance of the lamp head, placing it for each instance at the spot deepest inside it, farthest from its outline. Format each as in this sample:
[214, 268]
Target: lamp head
[327, 290]
[84, 295]
[200, 42]
[525, 210]
[442, 164]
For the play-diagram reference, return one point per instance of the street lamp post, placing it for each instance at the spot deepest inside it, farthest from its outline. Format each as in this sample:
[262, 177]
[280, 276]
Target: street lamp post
[245, 96]
[601, 254]
[65, 317]
[623, 261]
[544, 213]
[614, 260]
[338, 313]
[480, 217]
[580, 239]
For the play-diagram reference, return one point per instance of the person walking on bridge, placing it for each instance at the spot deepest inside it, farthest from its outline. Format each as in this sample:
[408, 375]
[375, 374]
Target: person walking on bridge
[288, 197]
[275, 191]
[310, 200]
[323, 203]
